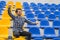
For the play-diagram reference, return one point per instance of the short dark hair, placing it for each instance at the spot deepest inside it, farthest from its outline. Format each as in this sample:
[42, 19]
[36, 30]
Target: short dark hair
[18, 9]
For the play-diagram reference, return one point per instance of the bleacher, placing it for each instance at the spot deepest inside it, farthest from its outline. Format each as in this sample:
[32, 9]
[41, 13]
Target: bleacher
[48, 16]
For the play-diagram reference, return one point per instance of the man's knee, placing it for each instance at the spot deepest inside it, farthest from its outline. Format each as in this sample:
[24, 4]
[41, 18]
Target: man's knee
[15, 34]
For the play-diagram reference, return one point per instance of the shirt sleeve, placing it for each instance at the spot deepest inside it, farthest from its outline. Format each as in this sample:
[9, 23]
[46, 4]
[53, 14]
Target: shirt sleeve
[10, 14]
[29, 22]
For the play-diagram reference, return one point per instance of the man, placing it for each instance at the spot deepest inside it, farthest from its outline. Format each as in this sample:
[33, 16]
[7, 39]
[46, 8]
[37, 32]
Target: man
[18, 22]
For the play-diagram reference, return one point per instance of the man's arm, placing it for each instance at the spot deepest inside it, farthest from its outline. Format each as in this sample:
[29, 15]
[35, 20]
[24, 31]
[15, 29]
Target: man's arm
[10, 14]
[29, 22]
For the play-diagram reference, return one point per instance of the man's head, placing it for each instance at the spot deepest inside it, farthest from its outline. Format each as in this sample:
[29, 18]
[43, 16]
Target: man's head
[18, 11]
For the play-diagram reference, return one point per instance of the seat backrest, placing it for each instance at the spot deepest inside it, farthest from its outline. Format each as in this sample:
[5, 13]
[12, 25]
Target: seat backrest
[56, 23]
[49, 30]
[52, 16]
[56, 39]
[34, 30]
[38, 39]
[44, 23]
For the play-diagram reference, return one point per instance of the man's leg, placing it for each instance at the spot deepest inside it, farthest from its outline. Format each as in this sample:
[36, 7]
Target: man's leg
[27, 34]
[16, 33]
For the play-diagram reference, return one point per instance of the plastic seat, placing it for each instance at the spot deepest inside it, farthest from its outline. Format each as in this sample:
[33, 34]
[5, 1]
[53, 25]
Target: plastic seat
[44, 8]
[3, 4]
[30, 16]
[52, 9]
[38, 39]
[35, 8]
[33, 4]
[40, 16]
[51, 17]
[56, 23]
[35, 32]
[25, 4]
[26, 7]
[59, 32]
[47, 13]
[47, 5]
[40, 5]
[56, 39]
[27, 10]
[37, 13]
[57, 13]
[49, 33]
[44, 24]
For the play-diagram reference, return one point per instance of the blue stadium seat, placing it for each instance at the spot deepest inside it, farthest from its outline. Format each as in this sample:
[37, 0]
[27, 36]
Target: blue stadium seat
[38, 39]
[35, 32]
[40, 16]
[28, 12]
[47, 13]
[47, 5]
[57, 13]
[33, 4]
[53, 5]
[37, 13]
[27, 9]
[44, 8]
[51, 17]
[49, 33]
[56, 39]
[52, 9]
[59, 32]
[44, 24]
[40, 5]
[56, 23]
[35, 8]
[25, 4]
[30, 16]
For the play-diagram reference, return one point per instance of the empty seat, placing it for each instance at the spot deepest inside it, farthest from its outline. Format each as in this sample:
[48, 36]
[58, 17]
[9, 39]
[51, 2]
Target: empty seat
[28, 12]
[38, 39]
[49, 32]
[40, 16]
[37, 13]
[33, 4]
[25, 4]
[52, 9]
[47, 13]
[3, 4]
[57, 13]
[56, 23]
[47, 5]
[51, 17]
[44, 24]
[35, 32]
[56, 39]
[27, 9]
[35, 8]
[30, 16]
[44, 8]
[40, 5]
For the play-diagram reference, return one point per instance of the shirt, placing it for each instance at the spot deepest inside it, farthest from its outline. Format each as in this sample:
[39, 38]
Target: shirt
[18, 21]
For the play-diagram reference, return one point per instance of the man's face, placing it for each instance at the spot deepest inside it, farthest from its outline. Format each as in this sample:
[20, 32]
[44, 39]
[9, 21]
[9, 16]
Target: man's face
[19, 12]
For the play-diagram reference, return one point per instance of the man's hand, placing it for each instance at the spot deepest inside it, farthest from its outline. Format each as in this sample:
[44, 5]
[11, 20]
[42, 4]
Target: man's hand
[37, 23]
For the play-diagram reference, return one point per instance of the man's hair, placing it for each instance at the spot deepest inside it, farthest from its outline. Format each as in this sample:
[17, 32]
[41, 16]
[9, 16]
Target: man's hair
[18, 9]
